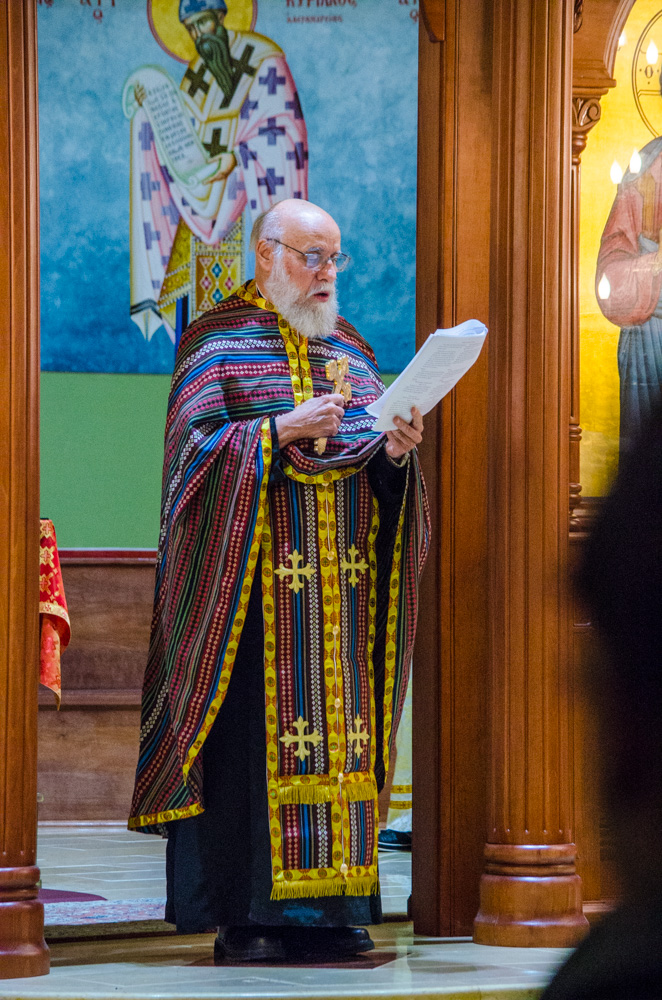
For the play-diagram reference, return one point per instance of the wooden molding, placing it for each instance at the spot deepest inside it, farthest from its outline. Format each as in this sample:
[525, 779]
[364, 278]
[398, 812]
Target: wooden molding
[23, 951]
[586, 111]
[596, 43]
[578, 15]
[434, 19]
[107, 557]
[92, 698]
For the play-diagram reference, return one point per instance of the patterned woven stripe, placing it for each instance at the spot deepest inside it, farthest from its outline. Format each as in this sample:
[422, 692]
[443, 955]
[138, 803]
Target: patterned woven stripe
[236, 366]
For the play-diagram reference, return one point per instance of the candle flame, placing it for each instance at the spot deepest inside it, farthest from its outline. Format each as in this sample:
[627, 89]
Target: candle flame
[604, 288]
[616, 173]
[635, 162]
[652, 53]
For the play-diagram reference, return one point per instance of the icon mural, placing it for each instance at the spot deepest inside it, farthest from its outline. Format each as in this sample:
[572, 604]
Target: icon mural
[629, 268]
[230, 136]
[170, 125]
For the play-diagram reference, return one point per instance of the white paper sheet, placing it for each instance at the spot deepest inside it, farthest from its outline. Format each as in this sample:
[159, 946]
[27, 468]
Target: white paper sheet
[441, 362]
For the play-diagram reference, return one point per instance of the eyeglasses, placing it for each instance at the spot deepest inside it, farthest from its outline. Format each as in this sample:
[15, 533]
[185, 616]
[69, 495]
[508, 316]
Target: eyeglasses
[316, 260]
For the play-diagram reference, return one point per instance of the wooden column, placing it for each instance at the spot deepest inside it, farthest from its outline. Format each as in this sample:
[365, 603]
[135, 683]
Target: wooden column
[530, 892]
[23, 951]
[451, 655]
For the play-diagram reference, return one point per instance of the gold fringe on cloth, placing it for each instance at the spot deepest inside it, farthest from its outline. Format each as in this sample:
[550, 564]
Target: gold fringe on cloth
[305, 795]
[309, 790]
[315, 888]
[360, 792]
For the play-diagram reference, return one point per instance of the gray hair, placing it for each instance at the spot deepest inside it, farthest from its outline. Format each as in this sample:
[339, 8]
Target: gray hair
[267, 226]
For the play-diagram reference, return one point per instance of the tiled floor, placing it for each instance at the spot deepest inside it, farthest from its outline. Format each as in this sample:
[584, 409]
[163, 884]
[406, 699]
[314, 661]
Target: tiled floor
[128, 870]
[182, 969]
[141, 959]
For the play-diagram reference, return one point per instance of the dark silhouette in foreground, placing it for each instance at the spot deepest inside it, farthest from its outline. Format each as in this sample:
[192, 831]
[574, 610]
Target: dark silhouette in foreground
[621, 581]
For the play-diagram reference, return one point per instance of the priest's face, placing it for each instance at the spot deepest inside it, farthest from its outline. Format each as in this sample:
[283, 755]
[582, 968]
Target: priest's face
[317, 233]
[305, 297]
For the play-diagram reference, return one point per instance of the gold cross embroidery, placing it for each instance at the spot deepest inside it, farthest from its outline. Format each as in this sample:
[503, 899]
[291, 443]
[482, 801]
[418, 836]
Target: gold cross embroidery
[358, 736]
[352, 565]
[295, 571]
[336, 371]
[301, 739]
[47, 553]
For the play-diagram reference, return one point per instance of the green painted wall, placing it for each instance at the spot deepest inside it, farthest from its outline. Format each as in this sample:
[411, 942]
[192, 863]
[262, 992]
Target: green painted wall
[101, 456]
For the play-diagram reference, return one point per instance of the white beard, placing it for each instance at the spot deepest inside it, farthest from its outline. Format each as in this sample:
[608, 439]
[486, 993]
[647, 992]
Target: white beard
[311, 319]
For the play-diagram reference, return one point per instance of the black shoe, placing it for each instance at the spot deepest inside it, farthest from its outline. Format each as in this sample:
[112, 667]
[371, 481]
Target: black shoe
[394, 840]
[325, 944]
[249, 944]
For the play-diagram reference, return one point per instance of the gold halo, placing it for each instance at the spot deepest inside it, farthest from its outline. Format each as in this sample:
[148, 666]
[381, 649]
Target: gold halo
[645, 85]
[172, 36]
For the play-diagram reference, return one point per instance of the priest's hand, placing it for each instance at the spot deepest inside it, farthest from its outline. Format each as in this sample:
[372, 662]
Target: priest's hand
[317, 417]
[406, 437]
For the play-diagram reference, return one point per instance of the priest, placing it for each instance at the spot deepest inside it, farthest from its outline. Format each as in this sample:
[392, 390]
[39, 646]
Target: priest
[292, 541]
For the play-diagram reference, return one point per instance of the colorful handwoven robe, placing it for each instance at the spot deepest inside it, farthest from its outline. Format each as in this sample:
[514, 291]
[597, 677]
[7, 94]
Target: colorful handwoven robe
[329, 712]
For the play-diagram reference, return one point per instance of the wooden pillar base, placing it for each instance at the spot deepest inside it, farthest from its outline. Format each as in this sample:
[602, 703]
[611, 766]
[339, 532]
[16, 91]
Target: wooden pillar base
[23, 951]
[530, 897]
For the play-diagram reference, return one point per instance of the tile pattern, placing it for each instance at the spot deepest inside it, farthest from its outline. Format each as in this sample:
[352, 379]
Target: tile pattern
[180, 968]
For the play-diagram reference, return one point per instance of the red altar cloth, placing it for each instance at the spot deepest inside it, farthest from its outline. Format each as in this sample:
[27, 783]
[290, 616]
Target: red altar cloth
[53, 616]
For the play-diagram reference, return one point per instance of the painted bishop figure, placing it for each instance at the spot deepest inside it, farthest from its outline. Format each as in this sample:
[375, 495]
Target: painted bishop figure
[187, 243]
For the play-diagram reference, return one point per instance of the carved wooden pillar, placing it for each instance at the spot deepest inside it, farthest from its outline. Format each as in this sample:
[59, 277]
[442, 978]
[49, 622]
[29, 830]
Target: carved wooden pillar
[530, 892]
[23, 951]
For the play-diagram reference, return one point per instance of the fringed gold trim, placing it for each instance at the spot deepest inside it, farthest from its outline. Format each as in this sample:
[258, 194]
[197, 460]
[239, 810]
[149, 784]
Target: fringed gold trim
[305, 795]
[316, 888]
[366, 886]
[328, 476]
[309, 789]
[360, 791]
[154, 819]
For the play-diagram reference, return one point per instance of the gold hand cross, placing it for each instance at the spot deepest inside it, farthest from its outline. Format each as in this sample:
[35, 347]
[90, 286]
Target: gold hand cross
[337, 371]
